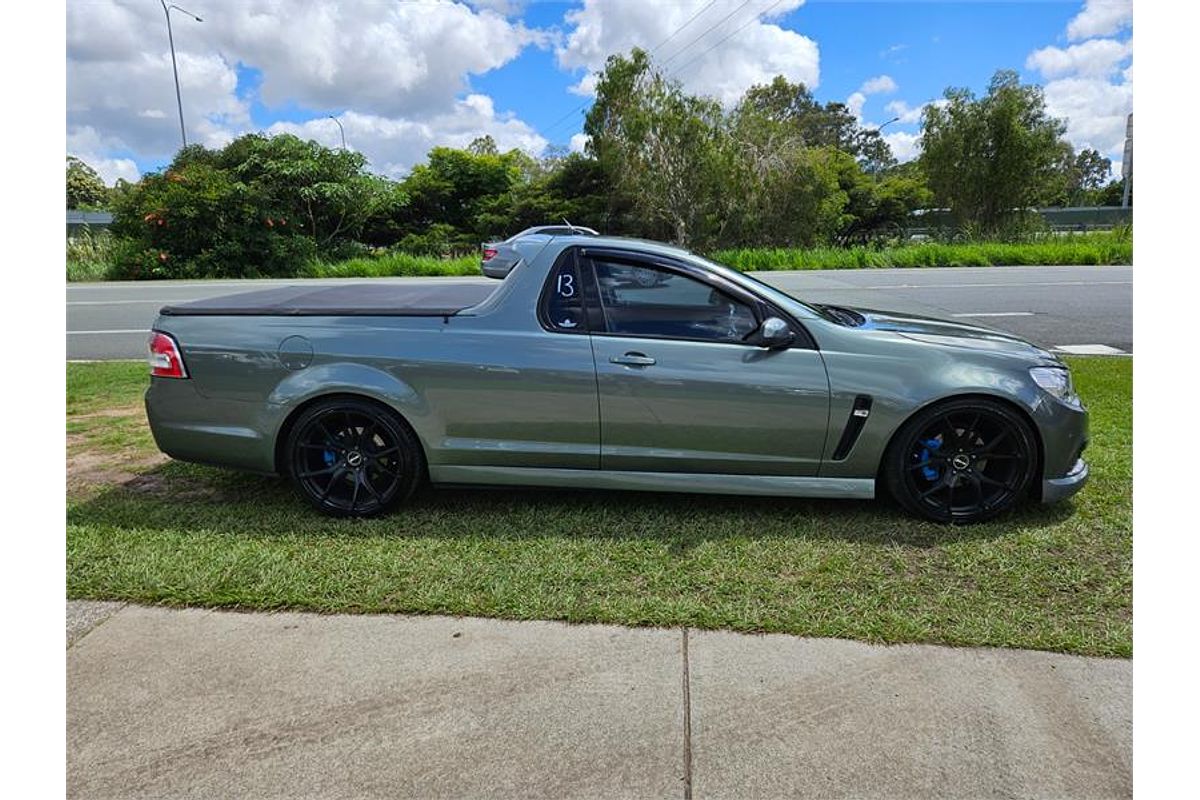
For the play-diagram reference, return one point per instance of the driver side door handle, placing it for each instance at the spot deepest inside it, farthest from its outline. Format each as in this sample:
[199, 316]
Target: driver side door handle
[634, 360]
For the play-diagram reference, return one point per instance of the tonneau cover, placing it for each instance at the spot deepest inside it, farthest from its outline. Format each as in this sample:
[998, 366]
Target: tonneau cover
[382, 299]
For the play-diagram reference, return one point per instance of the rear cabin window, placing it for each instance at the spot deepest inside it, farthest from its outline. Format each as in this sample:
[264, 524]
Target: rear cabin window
[562, 305]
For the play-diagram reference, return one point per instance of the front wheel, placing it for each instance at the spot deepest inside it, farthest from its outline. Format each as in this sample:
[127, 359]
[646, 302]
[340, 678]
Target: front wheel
[352, 458]
[961, 462]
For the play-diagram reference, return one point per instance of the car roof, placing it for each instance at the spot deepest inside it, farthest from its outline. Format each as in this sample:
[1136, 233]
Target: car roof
[618, 242]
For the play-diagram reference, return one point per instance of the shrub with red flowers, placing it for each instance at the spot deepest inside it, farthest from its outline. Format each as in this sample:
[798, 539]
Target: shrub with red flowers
[260, 206]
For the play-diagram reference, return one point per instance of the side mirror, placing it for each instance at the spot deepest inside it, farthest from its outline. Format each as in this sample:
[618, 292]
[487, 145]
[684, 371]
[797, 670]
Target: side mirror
[775, 334]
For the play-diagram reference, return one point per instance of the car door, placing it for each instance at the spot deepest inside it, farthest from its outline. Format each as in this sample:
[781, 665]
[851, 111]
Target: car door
[681, 386]
[516, 386]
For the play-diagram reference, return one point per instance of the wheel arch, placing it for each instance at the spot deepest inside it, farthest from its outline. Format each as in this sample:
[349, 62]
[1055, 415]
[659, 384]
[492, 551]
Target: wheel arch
[1007, 402]
[285, 428]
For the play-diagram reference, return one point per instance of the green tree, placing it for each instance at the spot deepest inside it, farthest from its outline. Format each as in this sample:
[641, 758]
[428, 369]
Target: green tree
[85, 187]
[988, 157]
[259, 206]
[661, 146]
[829, 125]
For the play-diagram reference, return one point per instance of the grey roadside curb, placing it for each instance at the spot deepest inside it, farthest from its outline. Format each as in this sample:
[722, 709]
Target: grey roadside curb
[84, 615]
[213, 703]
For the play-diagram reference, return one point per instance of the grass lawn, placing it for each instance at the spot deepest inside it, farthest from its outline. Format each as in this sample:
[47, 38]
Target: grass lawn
[1056, 578]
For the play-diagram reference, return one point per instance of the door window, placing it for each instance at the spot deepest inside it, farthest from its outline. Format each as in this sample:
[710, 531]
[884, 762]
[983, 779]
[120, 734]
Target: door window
[649, 301]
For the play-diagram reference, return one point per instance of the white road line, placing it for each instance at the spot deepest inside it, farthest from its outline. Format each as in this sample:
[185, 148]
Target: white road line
[90, 333]
[987, 285]
[1090, 350]
[124, 302]
[996, 314]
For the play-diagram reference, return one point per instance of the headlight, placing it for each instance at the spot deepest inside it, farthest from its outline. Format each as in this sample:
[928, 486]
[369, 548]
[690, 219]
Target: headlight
[1056, 381]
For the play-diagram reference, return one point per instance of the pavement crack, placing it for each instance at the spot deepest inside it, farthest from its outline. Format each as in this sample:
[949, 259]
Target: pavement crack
[687, 721]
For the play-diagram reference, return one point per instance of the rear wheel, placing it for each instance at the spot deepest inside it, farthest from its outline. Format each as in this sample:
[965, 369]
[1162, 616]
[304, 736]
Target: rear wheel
[353, 458]
[961, 462]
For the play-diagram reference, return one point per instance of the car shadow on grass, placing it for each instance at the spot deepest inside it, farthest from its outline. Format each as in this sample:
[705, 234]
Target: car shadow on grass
[192, 498]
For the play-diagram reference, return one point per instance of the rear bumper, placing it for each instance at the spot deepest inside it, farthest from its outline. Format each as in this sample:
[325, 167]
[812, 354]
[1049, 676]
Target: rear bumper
[189, 427]
[1056, 489]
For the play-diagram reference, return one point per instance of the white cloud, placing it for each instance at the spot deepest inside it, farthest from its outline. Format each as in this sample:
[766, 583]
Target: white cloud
[1100, 18]
[579, 141]
[700, 55]
[393, 146]
[86, 144]
[1095, 111]
[1097, 58]
[855, 103]
[1089, 88]
[905, 146]
[880, 84]
[405, 63]
[907, 115]
[586, 86]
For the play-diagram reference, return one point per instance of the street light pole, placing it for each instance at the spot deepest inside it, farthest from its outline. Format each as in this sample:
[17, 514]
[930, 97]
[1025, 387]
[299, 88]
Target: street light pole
[889, 122]
[174, 66]
[340, 128]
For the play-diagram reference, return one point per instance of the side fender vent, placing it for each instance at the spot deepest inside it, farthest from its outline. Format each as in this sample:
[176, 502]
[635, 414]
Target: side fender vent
[854, 426]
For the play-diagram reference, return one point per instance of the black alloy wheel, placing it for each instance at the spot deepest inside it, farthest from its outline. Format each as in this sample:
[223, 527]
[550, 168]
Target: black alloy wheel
[961, 462]
[353, 458]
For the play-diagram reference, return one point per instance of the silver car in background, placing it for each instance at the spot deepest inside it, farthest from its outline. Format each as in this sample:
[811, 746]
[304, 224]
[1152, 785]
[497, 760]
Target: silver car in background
[500, 257]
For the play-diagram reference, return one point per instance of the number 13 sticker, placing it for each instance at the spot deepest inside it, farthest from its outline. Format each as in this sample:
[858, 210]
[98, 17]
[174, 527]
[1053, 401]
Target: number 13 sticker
[566, 285]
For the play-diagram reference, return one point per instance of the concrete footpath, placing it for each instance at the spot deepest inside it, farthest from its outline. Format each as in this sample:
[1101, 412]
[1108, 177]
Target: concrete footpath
[193, 703]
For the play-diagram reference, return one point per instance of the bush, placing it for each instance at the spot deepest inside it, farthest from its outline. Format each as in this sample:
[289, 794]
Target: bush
[260, 207]
[90, 255]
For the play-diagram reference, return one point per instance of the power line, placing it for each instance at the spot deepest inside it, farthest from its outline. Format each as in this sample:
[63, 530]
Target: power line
[679, 30]
[726, 38]
[706, 33]
[681, 50]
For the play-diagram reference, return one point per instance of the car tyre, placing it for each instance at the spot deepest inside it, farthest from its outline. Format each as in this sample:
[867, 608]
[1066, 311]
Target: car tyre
[962, 462]
[351, 457]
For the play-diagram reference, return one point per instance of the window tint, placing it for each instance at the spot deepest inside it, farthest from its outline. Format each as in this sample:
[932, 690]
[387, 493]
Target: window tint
[562, 305]
[647, 301]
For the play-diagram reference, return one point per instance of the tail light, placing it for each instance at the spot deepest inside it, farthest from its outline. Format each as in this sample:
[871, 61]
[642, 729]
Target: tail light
[165, 359]
[489, 253]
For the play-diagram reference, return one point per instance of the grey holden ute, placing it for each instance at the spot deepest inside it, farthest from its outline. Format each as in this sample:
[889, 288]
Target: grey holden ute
[569, 373]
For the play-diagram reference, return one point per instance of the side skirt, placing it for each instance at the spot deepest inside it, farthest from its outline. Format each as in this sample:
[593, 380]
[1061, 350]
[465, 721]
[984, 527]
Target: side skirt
[693, 482]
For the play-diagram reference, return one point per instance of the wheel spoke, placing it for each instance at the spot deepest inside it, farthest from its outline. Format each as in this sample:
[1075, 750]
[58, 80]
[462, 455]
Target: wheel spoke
[338, 474]
[990, 481]
[315, 473]
[974, 477]
[990, 446]
[329, 437]
[367, 485]
[317, 446]
[354, 496]
[969, 436]
[942, 484]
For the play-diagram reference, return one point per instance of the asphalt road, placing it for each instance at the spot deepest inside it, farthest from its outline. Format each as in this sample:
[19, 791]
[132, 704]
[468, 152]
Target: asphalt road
[1052, 306]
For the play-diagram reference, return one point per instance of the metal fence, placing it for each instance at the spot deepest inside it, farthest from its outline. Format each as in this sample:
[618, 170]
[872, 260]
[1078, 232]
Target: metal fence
[91, 221]
[1058, 219]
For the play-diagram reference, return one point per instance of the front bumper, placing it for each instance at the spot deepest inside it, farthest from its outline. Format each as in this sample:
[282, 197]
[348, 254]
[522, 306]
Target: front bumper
[1056, 489]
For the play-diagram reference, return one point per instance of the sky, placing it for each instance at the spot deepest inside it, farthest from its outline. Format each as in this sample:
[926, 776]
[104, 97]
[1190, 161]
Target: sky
[402, 76]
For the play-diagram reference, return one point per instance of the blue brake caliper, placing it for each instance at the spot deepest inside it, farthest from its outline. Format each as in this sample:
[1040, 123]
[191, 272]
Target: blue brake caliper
[929, 446]
[330, 457]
